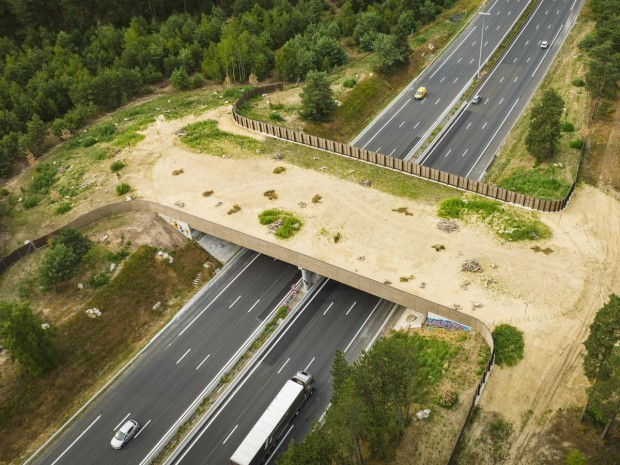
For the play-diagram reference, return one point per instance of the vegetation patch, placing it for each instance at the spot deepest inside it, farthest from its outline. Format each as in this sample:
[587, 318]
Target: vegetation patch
[316, 198]
[283, 224]
[207, 193]
[117, 165]
[123, 189]
[205, 136]
[279, 169]
[543, 182]
[507, 223]
[177, 172]
[234, 209]
[509, 345]
[271, 194]
[403, 210]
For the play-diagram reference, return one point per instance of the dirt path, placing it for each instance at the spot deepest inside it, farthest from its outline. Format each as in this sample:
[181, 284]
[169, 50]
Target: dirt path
[558, 386]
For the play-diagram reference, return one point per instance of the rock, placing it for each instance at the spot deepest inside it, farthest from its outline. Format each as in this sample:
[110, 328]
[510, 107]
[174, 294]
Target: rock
[128, 198]
[80, 286]
[45, 325]
[179, 203]
[423, 414]
[112, 267]
[27, 241]
[157, 306]
[105, 238]
[159, 253]
[422, 285]
[20, 199]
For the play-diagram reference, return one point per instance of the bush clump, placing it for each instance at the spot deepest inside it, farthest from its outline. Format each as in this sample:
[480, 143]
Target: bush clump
[448, 398]
[122, 189]
[567, 127]
[283, 223]
[576, 144]
[509, 345]
[116, 166]
[349, 83]
[578, 82]
[63, 207]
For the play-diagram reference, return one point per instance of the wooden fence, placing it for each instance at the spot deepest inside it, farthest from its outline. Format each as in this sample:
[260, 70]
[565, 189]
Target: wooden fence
[413, 169]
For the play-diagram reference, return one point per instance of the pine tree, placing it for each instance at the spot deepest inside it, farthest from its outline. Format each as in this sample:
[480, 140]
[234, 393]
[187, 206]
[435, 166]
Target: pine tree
[26, 340]
[544, 134]
[317, 99]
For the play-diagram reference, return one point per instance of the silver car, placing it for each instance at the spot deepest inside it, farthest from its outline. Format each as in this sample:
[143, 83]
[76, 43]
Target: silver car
[124, 434]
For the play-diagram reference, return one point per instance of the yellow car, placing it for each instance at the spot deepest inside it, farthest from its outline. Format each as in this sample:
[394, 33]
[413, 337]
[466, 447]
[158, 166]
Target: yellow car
[420, 93]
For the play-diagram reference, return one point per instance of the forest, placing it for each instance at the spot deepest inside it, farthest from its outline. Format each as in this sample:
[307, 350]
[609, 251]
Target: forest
[67, 61]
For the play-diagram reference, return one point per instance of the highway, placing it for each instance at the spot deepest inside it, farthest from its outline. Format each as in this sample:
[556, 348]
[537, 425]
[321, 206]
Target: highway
[338, 317]
[407, 123]
[468, 144]
[174, 371]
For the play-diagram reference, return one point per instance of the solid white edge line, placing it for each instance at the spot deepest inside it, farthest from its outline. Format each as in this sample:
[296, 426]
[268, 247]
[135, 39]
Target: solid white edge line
[121, 422]
[197, 437]
[389, 315]
[386, 123]
[361, 327]
[542, 60]
[76, 440]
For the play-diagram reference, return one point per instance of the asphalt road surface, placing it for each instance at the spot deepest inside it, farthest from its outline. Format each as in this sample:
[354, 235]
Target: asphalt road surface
[468, 145]
[174, 371]
[407, 122]
[338, 317]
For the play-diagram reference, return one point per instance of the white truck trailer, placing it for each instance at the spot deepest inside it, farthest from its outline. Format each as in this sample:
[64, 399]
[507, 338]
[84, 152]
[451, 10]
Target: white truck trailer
[271, 425]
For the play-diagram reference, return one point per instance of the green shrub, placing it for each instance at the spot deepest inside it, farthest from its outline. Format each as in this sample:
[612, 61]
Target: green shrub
[98, 280]
[542, 182]
[349, 83]
[88, 141]
[276, 106]
[105, 131]
[279, 169]
[43, 178]
[31, 201]
[290, 224]
[448, 399]
[567, 127]
[576, 144]
[509, 345]
[122, 189]
[117, 165]
[578, 82]
[63, 207]
[276, 117]
[197, 81]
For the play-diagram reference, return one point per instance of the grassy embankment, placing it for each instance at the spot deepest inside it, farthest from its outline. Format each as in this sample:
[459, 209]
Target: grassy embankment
[92, 350]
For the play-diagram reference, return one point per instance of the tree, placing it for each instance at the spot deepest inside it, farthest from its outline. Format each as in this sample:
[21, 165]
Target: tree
[365, 33]
[26, 340]
[545, 119]
[180, 79]
[601, 364]
[59, 264]
[317, 99]
[387, 54]
[74, 239]
[34, 139]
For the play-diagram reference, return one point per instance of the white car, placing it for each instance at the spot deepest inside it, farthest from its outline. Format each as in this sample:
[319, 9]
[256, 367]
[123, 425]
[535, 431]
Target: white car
[544, 44]
[124, 434]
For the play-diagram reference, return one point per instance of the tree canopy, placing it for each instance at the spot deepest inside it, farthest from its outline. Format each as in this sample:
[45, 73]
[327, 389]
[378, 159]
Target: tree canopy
[26, 340]
[543, 137]
[65, 61]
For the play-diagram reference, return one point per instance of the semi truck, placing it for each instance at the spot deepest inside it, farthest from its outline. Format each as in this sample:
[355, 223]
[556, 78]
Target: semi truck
[270, 427]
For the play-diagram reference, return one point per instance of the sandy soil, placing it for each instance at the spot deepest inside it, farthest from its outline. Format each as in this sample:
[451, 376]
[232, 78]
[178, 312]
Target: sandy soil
[552, 298]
